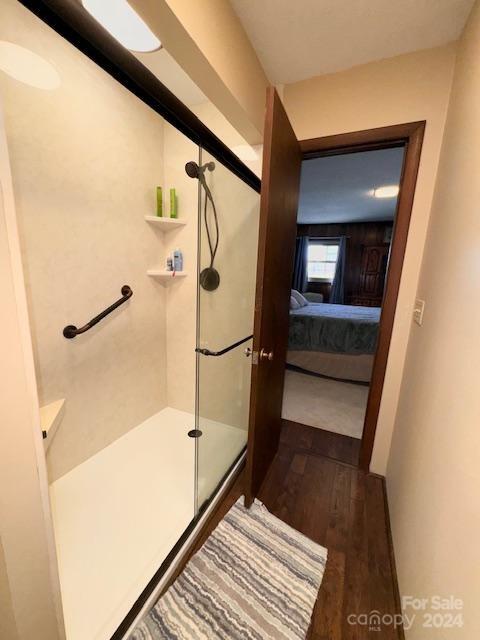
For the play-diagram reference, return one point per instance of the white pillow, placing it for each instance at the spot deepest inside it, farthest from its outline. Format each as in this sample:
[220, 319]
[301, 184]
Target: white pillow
[302, 302]
[293, 304]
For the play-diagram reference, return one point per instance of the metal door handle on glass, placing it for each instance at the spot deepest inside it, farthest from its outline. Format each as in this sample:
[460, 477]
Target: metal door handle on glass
[207, 352]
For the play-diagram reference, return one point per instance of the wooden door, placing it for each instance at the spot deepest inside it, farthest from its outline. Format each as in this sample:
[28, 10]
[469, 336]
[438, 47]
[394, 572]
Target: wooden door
[278, 219]
[372, 275]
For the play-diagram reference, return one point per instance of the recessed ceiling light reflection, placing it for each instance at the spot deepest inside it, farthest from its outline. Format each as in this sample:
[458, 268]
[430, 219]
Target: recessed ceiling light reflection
[28, 67]
[388, 191]
[124, 24]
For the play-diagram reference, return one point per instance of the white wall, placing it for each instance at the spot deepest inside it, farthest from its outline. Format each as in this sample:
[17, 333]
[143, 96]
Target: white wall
[181, 295]
[433, 475]
[406, 88]
[28, 571]
[86, 158]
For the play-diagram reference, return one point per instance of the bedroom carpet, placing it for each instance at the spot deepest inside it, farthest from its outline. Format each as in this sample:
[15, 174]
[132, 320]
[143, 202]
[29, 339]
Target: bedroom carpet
[325, 404]
[255, 578]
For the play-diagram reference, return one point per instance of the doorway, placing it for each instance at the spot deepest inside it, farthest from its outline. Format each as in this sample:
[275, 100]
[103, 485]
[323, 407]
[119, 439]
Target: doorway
[355, 201]
[346, 214]
[282, 162]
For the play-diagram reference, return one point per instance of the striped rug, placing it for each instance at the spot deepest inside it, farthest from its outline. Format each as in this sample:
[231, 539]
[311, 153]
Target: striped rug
[255, 578]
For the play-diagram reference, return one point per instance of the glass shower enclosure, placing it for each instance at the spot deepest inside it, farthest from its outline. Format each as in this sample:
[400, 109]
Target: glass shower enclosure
[160, 356]
[228, 239]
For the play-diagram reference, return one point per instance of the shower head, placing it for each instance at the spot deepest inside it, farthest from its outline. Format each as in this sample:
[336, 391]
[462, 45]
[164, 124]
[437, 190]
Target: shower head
[194, 171]
[209, 277]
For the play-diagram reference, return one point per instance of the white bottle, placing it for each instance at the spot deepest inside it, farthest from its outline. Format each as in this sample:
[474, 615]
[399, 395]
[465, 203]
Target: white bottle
[177, 260]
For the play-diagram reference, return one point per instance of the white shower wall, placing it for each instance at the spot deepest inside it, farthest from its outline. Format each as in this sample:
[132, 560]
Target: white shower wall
[181, 296]
[86, 159]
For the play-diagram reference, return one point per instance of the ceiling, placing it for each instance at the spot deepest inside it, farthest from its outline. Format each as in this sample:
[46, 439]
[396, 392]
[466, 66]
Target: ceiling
[299, 40]
[339, 188]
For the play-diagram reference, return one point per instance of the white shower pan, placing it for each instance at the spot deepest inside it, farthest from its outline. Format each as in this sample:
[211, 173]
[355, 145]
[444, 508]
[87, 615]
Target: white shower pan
[118, 514]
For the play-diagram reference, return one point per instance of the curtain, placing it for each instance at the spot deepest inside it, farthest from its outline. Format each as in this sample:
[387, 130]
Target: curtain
[337, 292]
[300, 266]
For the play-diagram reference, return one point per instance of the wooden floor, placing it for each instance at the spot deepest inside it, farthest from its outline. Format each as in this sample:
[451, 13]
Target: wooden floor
[320, 442]
[343, 509]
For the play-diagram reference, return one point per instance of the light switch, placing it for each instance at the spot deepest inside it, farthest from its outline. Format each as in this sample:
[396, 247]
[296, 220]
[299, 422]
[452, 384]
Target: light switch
[418, 311]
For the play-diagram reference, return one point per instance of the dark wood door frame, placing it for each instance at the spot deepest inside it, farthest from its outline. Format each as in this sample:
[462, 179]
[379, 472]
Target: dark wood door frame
[409, 135]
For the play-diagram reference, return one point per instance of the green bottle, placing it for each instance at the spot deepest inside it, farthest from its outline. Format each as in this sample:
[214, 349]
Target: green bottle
[159, 202]
[173, 204]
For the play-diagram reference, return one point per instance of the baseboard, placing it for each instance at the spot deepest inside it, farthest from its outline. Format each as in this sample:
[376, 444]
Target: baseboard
[393, 566]
[185, 548]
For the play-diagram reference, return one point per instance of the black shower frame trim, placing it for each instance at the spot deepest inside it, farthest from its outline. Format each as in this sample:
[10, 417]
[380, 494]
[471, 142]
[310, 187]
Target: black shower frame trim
[72, 22]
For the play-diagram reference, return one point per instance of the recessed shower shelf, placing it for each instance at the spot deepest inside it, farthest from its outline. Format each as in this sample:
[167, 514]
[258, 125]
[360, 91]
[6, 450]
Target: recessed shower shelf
[162, 274]
[165, 223]
[50, 418]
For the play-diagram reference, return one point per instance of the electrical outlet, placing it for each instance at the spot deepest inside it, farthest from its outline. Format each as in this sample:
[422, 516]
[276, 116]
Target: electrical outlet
[418, 311]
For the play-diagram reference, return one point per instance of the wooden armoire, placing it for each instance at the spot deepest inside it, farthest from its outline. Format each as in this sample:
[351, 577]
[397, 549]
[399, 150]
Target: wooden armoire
[372, 276]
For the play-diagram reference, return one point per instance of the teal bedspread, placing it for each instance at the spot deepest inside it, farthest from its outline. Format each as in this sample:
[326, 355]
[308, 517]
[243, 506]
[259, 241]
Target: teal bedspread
[334, 328]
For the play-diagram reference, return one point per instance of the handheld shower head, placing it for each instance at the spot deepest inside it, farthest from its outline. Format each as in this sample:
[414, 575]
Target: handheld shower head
[209, 277]
[194, 171]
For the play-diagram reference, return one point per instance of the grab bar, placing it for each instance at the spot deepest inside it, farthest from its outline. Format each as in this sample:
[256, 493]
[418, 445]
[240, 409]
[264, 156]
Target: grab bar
[207, 352]
[71, 331]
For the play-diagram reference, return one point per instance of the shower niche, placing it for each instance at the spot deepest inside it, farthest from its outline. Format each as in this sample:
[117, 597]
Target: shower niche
[164, 225]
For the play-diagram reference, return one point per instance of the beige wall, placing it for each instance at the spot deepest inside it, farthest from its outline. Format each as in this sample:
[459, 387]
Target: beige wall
[8, 626]
[28, 571]
[181, 296]
[250, 155]
[201, 36]
[402, 89]
[86, 158]
[433, 475]
[216, 29]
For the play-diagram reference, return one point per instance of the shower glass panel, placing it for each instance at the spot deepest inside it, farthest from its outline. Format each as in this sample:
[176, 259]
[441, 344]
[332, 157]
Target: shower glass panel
[227, 263]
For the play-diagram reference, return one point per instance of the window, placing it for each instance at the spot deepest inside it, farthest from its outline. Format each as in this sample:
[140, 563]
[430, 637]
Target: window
[322, 260]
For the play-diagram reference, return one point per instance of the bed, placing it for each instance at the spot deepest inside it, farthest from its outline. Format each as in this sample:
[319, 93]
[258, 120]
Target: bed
[334, 340]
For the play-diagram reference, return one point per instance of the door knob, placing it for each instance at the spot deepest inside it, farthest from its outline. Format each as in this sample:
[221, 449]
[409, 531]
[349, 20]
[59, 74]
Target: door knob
[266, 355]
[248, 352]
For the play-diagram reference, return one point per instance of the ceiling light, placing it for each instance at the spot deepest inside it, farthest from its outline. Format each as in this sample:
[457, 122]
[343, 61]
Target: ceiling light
[124, 24]
[388, 191]
[27, 67]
